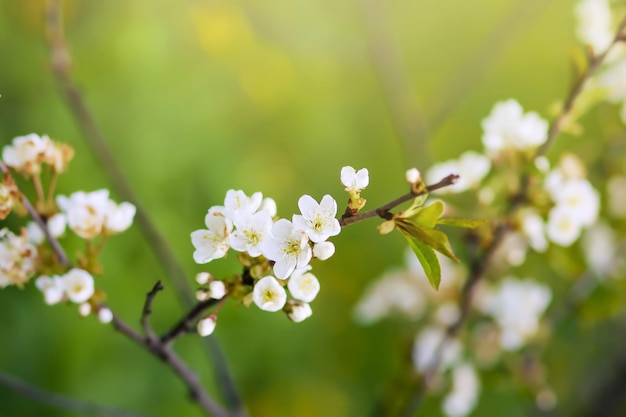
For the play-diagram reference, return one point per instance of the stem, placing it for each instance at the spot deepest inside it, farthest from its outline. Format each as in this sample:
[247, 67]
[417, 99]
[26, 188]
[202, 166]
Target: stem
[184, 324]
[384, 209]
[60, 401]
[41, 199]
[147, 310]
[51, 188]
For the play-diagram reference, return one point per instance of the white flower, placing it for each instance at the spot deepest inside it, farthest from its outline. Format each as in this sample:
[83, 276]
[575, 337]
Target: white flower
[118, 217]
[594, 24]
[317, 220]
[412, 176]
[105, 315]
[580, 199]
[217, 289]
[17, 259]
[463, 397]
[563, 227]
[206, 326]
[303, 285]
[288, 247]
[237, 203]
[268, 204]
[431, 344]
[354, 181]
[86, 212]
[601, 250]
[26, 153]
[517, 307]
[211, 243]
[79, 285]
[507, 127]
[52, 288]
[250, 231]
[471, 167]
[56, 225]
[323, 250]
[268, 294]
[203, 278]
[534, 229]
[299, 311]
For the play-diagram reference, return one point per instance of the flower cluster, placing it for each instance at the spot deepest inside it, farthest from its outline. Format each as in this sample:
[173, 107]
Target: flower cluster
[275, 252]
[27, 153]
[18, 258]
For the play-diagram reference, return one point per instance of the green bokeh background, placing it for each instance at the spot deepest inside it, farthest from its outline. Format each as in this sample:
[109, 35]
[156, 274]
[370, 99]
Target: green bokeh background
[198, 97]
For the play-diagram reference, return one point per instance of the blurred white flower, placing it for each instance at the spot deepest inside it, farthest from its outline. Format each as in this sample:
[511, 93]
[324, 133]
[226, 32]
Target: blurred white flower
[212, 243]
[118, 217]
[594, 24]
[52, 288]
[507, 127]
[580, 199]
[434, 350]
[86, 212]
[79, 285]
[105, 315]
[601, 250]
[463, 396]
[563, 227]
[203, 278]
[288, 247]
[56, 225]
[84, 309]
[269, 205]
[303, 285]
[517, 307]
[354, 181]
[317, 220]
[268, 294]
[17, 259]
[471, 167]
[533, 228]
[26, 153]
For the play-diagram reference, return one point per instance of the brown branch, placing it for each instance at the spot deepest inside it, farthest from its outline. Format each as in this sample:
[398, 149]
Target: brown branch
[60, 401]
[147, 310]
[384, 209]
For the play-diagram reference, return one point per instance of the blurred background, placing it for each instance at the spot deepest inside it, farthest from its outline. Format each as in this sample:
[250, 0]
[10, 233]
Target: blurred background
[196, 97]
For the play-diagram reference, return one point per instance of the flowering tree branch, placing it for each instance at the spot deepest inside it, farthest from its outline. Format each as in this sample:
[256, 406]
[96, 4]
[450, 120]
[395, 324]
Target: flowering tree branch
[60, 401]
[481, 262]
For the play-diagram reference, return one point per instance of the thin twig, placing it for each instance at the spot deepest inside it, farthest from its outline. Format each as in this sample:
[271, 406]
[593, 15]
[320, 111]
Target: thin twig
[382, 210]
[147, 310]
[60, 401]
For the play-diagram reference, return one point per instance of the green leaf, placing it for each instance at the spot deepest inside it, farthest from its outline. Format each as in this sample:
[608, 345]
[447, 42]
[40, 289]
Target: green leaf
[428, 216]
[456, 222]
[416, 206]
[427, 258]
[435, 239]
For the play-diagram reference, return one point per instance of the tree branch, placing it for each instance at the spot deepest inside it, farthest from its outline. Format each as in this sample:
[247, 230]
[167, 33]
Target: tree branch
[60, 401]
[184, 324]
[147, 310]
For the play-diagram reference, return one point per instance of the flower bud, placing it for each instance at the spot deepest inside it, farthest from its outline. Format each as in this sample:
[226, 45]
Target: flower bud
[84, 309]
[412, 176]
[217, 289]
[105, 315]
[323, 250]
[206, 326]
[203, 278]
[202, 294]
[299, 311]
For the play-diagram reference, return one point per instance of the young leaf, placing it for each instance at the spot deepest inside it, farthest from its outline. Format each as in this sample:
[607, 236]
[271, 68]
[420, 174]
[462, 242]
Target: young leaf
[428, 216]
[433, 238]
[467, 223]
[427, 258]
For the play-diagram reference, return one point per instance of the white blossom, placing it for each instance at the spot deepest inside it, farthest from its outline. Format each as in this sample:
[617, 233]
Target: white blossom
[238, 203]
[269, 205]
[323, 250]
[203, 278]
[563, 227]
[594, 24]
[354, 181]
[217, 289]
[471, 167]
[601, 250]
[56, 226]
[26, 153]
[303, 285]
[299, 311]
[86, 212]
[250, 231]
[206, 326]
[212, 243]
[517, 306]
[580, 199]
[433, 347]
[52, 288]
[105, 315]
[119, 217]
[6, 200]
[79, 285]
[268, 294]
[288, 247]
[534, 229]
[317, 220]
[463, 397]
[507, 127]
